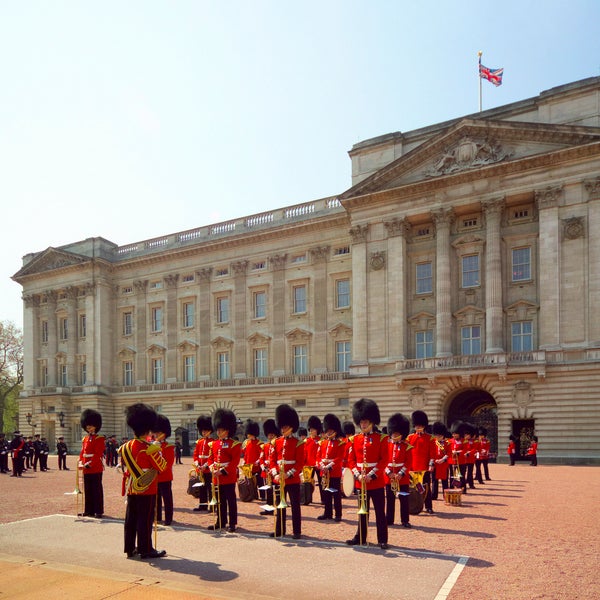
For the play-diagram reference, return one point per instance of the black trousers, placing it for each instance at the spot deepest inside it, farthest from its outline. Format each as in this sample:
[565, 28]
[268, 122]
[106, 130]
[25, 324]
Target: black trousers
[435, 492]
[139, 518]
[36, 457]
[377, 497]
[205, 490]
[62, 461]
[390, 505]
[292, 492]
[226, 513]
[4, 462]
[94, 493]
[333, 500]
[17, 466]
[469, 476]
[165, 496]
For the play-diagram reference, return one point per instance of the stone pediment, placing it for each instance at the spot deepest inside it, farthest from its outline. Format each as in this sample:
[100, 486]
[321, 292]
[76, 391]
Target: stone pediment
[469, 146]
[298, 335]
[50, 260]
[258, 338]
[341, 330]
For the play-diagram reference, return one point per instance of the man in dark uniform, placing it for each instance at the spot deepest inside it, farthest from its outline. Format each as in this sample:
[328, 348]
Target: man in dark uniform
[3, 453]
[37, 448]
[17, 446]
[62, 451]
[44, 452]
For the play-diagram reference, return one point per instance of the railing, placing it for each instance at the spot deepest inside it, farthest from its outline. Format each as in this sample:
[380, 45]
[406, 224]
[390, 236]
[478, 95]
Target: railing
[472, 360]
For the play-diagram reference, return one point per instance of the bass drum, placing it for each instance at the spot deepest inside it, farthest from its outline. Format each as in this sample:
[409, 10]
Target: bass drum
[416, 501]
[347, 483]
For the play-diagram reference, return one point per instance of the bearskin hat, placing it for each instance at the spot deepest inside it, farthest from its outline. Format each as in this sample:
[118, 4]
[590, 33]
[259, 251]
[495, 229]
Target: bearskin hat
[91, 417]
[469, 429]
[482, 431]
[365, 408]
[438, 428]
[163, 425]
[302, 431]
[315, 423]
[204, 423]
[349, 428]
[330, 421]
[286, 416]
[251, 428]
[141, 418]
[269, 427]
[419, 418]
[398, 423]
[224, 418]
[458, 427]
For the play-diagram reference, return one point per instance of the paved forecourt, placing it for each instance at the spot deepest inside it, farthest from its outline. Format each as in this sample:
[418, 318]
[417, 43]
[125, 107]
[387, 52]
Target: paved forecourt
[63, 556]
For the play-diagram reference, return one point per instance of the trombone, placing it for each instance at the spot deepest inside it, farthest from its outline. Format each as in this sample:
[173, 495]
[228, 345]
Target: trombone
[77, 493]
[215, 500]
[363, 509]
[282, 505]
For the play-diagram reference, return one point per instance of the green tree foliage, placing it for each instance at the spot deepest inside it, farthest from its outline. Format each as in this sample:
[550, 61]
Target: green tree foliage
[11, 372]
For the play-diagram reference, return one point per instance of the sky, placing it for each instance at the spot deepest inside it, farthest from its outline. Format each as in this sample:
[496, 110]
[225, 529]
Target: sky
[132, 120]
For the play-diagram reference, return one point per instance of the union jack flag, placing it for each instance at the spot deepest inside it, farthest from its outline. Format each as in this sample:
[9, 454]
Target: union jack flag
[492, 75]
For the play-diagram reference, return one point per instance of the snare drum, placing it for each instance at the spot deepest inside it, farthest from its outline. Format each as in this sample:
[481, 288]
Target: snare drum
[453, 497]
[347, 483]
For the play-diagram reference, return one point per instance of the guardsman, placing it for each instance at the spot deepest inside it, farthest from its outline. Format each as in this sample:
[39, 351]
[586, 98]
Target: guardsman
[330, 455]
[44, 452]
[200, 459]
[62, 451]
[287, 462]
[142, 462]
[223, 463]
[4, 447]
[469, 452]
[532, 450]
[484, 456]
[456, 459]
[251, 449]
[17, 446]
[90, 462]
[162, 431]
[423, 453]
[368, 458]
[270, 431]
[37, 448]
[442, 447]
[397, 471]
[315, 429]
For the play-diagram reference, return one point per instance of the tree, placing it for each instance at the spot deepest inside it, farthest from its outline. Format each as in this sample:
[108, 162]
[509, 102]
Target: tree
[11, 364]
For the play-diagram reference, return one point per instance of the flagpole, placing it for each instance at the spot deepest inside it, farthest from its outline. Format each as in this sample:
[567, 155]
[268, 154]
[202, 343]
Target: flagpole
[479, 77]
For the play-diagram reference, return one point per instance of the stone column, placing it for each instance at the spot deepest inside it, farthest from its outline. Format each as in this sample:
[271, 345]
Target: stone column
[593, 189]
[239, 312]
[141, 342]
[549, 267]
[319, 341]
[443, 218]
[92, 330]
[172, 327]
[360, 333]
[52, 337]
[203, 325]
[397, 230]
[278, 352]
[494, 316]
[31, 341]
[73, 333]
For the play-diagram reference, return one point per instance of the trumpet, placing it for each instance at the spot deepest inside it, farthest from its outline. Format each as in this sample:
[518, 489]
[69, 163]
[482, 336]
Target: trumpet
[363, 510]
[215, 499]
[77, 493]
[282, 503]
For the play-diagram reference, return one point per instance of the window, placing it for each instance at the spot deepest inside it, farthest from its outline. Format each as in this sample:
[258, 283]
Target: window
[424, 281]
[63, 328]
[471, 340]
[260, 362]
[299, 293]
[522, 336]
[470, 270]
[223, 310]
[300, 360]
[189, 368]
[342, 356]
[341, 250]
[260, 305]
[82, 374]
[300, 403]
[156, 285]
[343, 402]
[157, 370]
[157, 319]
[521, 264]
[127, 290]
[127, 323]
[223, 365]
[44, 374]
[82, 326]
[127, 372]
[189, 278]
[342, 293]
[44, 332]
[424, 343]
[63, 375]
[188, 312]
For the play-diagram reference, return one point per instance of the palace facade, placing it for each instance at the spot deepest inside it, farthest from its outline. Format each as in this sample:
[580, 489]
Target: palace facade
[460, 275]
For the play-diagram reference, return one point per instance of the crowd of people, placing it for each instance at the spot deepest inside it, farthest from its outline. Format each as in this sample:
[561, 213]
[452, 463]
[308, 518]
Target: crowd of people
[404, 458]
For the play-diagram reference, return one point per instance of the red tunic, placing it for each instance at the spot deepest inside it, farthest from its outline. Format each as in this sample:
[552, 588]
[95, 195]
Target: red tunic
[423, 450]
[291, 451]
[484, 448]
[311, 445]
[442, 459]
[456, 456]
[399, 459]
[331, 453]
[251, 450]
[369, 454]
[202, 454]
[168, 452]
[147, 456]
[226, 454]
[92, 451]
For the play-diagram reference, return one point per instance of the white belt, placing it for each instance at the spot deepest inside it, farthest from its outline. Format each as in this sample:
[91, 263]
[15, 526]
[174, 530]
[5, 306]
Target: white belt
[362, 465]
[286, 462]
[221, 465]
[395, 464]
[204, 456]
[88, 455]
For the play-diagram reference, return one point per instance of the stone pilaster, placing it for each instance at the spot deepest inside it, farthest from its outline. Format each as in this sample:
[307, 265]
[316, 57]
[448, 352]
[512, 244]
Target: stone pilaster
[52, 337]
[240, 315]
[203, 326]
[443, 218]
[171, 312]
[592, 188]
[93, 326]
[31, 340]
[494, 316]
[73, 325]
[278, 262]
[141, 337]
[360, 333]
[319, 342]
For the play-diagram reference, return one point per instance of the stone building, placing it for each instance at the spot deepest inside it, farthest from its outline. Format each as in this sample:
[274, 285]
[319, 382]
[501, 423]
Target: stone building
[459, 275]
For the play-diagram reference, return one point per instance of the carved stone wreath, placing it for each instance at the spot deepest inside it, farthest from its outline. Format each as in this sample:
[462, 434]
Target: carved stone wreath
[573, 228]
[377, 260]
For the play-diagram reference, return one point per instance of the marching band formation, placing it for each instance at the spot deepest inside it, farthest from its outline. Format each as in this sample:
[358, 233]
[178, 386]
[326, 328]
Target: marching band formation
[408, 460]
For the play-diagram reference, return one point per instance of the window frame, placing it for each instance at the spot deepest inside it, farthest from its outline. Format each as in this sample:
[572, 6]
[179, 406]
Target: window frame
[466, 272]
[423, 279]
[521, 266]
[340, 295]
[300, 359]
[426, 344]
[343, 356]
[471, 339]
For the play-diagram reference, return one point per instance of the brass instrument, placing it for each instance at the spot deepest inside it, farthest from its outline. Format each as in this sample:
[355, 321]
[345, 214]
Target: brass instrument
[325, 480]
[307, 474]
[282, 503]
[363, 502]
[77, 492]
[215, 499]
[395, 485]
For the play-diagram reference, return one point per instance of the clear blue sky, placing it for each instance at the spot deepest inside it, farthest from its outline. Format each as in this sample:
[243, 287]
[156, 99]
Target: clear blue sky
[129, 120]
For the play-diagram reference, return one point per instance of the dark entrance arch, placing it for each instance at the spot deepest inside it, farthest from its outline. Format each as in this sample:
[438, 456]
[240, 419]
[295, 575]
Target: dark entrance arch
[477, 407]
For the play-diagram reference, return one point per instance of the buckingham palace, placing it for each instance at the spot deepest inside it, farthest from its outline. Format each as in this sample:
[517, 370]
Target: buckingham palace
[458, 274]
